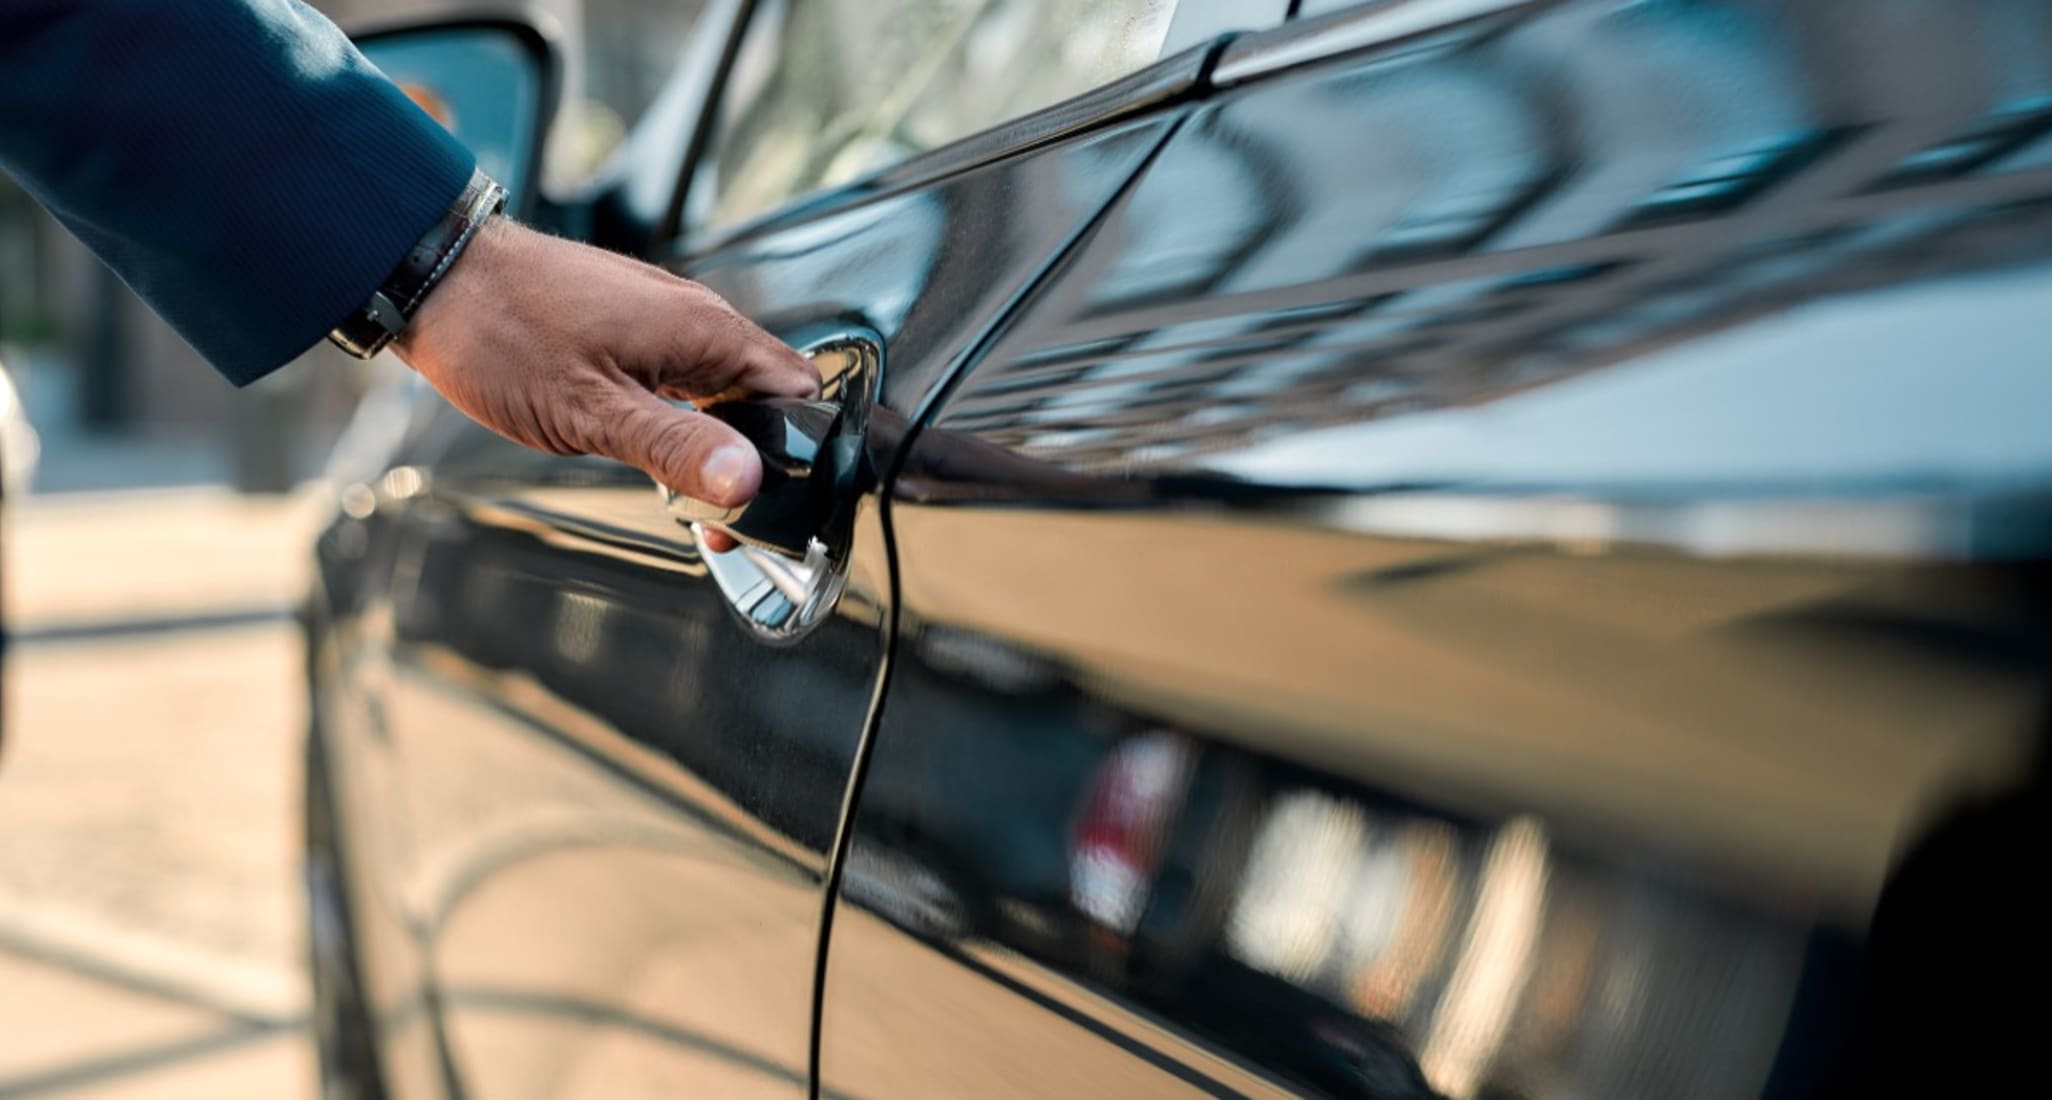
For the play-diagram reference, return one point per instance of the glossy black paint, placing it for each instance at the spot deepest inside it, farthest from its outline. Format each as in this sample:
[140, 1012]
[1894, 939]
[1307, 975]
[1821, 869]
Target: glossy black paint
[1490, 556]
[591, 771]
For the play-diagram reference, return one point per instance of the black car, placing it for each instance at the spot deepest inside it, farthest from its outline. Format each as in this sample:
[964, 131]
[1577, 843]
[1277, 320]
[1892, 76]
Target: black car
[1467, 548]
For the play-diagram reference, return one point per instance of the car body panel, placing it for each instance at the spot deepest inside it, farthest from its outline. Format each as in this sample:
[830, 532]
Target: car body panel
[1473, 549]
[1477, 574]
[594, 897]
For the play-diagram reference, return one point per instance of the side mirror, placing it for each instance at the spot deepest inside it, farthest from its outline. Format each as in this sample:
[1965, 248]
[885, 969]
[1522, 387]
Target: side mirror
[494, 81]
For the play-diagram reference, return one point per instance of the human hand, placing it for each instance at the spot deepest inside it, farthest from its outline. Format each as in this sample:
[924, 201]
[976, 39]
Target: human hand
[573, 350]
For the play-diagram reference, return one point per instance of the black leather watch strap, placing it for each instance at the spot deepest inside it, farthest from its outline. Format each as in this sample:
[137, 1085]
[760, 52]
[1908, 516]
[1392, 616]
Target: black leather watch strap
[365, 332]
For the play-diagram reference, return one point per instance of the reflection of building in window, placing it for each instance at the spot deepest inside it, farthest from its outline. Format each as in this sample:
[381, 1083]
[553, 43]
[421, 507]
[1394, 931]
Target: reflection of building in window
[628, 50]
[631, 47]
[825, 92]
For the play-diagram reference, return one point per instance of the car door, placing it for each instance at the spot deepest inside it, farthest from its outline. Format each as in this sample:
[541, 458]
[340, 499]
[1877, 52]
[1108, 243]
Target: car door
[1470, 578]
[625, 757]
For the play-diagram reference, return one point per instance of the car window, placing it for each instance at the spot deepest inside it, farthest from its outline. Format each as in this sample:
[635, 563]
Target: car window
[626, 50]
[825, 91]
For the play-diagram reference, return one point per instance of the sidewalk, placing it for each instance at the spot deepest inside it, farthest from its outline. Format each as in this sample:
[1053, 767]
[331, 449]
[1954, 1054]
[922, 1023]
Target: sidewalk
[150, 931]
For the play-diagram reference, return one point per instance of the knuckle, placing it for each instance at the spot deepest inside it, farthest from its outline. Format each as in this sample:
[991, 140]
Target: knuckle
[583, 432]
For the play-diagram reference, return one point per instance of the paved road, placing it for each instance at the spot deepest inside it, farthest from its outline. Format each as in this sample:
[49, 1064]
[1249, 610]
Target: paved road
[149, 921]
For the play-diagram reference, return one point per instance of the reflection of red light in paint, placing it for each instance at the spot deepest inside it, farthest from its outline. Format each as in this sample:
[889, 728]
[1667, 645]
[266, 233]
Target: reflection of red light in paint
[436, 107]
[1118, 837]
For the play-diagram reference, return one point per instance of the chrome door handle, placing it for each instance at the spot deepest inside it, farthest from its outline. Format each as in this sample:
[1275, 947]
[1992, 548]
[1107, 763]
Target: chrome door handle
[795, 535]
[808, 467]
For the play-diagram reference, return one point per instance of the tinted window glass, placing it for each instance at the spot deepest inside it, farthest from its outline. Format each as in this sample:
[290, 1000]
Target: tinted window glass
[824, 91]
[628, 49]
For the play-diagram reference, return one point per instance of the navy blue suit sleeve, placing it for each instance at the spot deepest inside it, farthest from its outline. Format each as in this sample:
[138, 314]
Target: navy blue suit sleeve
[237, 162]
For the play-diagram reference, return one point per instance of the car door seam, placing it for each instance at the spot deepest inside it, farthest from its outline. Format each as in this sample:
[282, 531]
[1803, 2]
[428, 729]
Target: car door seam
[1015, 304]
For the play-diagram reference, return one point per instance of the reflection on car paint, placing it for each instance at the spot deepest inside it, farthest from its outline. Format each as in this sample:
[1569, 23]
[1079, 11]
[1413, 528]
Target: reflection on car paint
[1503, 561]
[1118, 838]
[555, 635]
[1583, 529]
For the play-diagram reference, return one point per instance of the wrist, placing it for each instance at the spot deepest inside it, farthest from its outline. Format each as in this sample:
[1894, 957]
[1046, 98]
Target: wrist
[390, 310]
[463, 289]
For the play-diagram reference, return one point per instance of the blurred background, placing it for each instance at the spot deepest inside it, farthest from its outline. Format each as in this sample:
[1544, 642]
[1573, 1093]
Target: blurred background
[156, 521]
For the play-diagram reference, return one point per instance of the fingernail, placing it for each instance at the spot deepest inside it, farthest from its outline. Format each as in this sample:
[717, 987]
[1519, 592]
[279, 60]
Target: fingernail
[728, 474]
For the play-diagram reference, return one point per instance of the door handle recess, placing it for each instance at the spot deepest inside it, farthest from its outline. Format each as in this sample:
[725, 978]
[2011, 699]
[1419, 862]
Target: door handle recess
[794, 536]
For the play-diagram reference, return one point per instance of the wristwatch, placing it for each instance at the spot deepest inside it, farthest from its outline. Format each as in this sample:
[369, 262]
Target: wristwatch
[366, 331]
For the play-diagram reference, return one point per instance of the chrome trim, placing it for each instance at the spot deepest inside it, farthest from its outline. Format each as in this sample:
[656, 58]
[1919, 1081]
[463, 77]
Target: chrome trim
[1370, 27]
[1196, 22]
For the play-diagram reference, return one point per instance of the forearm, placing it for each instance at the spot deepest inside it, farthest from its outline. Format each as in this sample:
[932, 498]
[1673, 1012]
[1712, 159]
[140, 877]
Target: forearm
[237, 162]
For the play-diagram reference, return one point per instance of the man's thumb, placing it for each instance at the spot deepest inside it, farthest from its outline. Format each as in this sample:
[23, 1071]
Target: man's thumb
[692, 453]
